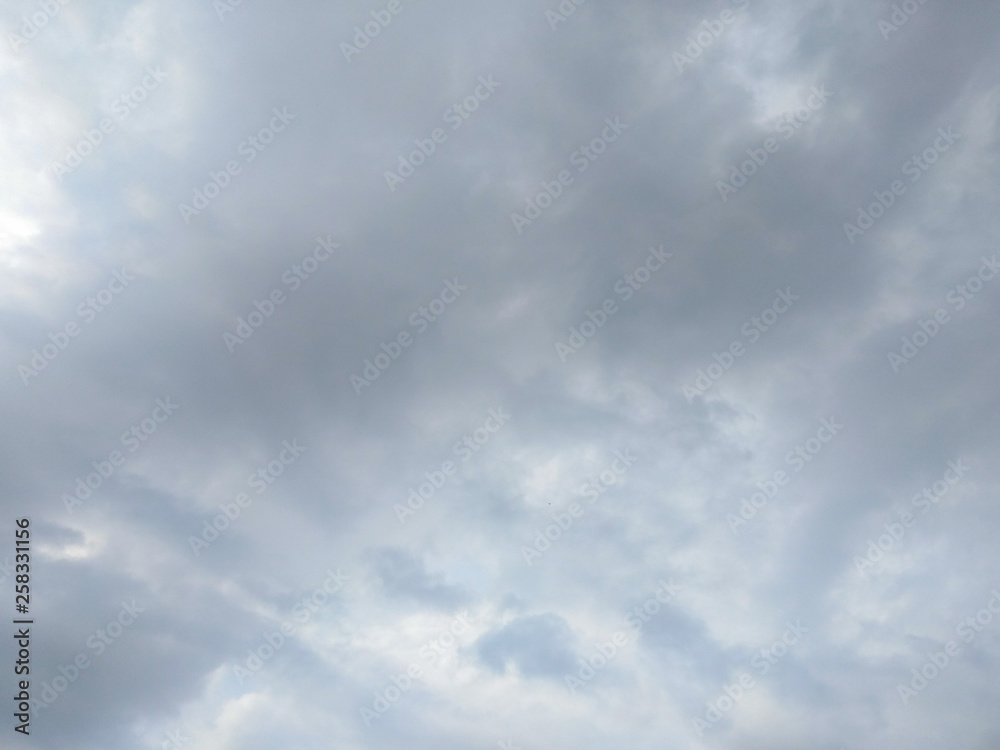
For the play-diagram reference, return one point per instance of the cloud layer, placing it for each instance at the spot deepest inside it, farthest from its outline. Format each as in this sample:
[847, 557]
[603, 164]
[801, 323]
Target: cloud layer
[387, 363]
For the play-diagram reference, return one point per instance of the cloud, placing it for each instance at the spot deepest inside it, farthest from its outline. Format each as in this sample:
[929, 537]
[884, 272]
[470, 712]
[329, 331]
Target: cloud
[85, 365]
[536, 645]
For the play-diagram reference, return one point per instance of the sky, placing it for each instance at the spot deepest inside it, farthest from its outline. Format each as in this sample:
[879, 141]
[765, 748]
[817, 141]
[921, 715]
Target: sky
[515, 375]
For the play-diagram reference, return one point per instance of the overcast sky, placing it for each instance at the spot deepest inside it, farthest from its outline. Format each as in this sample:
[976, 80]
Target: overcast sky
[502, 375]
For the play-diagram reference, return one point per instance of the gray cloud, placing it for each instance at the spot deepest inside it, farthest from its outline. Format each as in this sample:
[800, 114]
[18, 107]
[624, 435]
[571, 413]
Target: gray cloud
[627, 385]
